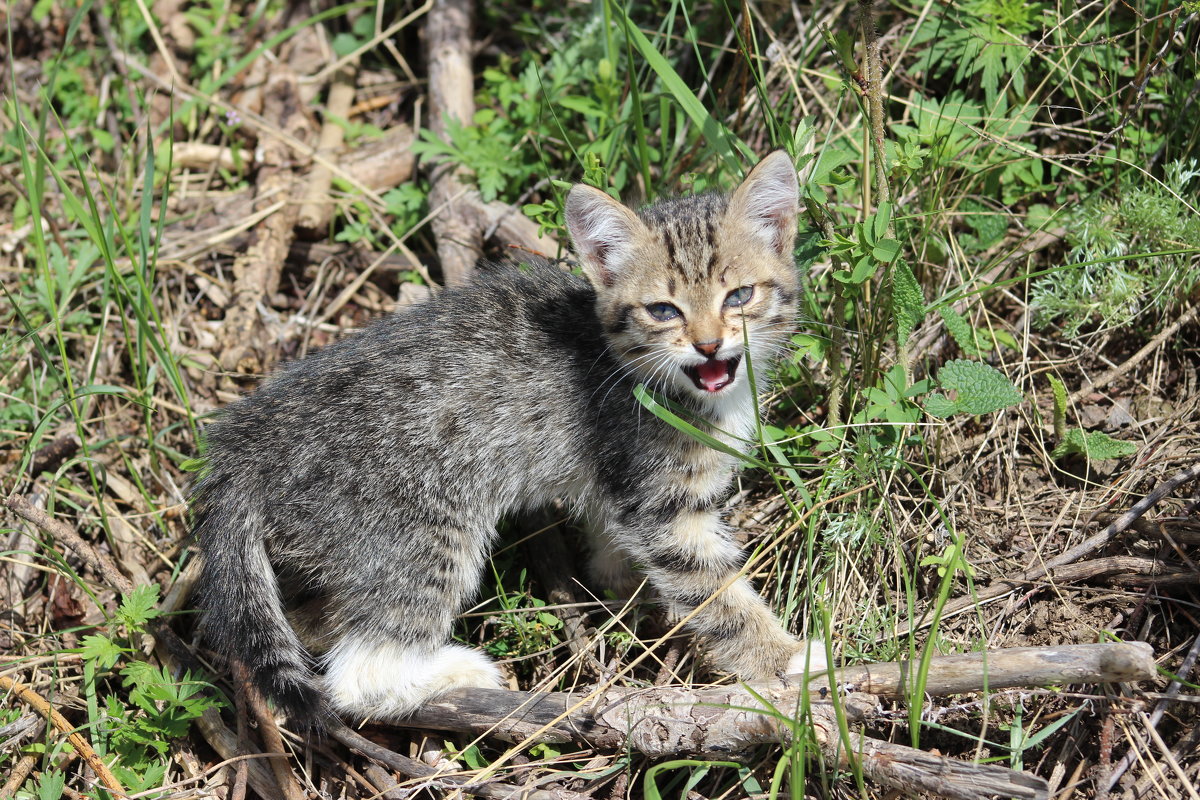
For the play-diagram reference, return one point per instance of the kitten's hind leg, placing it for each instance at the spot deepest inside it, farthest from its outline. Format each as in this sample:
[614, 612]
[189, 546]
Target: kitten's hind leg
[388, 680]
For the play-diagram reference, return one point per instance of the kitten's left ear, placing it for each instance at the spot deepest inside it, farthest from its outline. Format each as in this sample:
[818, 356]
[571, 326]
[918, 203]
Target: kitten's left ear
[603, 231]
[769, 200]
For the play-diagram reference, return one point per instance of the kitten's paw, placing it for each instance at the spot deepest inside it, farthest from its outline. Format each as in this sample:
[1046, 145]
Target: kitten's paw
[388, 681]
[810, 657]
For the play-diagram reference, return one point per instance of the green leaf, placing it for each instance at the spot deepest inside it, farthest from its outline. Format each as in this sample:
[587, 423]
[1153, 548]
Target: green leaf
[658, 409]
[1060, 406]
[885, 250]
[960, 329]
[1094, 446]
[940, 406]
[863, 270]
[981, 387]
[51, 784]
[138, 607]
[883, 218]
[720, 138]
[908, 304]
[100, 649]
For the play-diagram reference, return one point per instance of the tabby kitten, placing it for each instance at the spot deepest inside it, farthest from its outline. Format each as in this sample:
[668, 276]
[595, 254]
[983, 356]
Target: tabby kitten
[348, 506]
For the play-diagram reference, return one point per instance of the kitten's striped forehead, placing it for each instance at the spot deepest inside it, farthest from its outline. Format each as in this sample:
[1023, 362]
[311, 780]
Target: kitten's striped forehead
[687, 228]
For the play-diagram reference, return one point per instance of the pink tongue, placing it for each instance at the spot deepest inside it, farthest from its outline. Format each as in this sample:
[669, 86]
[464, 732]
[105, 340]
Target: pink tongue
[713, 374]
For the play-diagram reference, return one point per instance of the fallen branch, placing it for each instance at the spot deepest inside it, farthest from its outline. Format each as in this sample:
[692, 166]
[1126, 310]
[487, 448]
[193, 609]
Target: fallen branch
[458, 229]
[674, 721]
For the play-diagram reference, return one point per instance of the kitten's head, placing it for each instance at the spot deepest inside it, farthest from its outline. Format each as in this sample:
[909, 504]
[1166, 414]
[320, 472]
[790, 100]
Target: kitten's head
[688, 285]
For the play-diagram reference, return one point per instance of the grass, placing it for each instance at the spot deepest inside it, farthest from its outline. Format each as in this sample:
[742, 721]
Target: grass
[1039, 164]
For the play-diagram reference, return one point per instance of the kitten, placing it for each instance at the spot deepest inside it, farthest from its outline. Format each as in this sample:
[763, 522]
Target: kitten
[348, 506]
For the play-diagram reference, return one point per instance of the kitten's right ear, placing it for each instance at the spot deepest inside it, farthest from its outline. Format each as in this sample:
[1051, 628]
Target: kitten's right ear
[603, 231]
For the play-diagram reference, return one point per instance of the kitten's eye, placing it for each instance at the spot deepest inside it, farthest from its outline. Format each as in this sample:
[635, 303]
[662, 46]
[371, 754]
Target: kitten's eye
[739, 297]
[663, 312]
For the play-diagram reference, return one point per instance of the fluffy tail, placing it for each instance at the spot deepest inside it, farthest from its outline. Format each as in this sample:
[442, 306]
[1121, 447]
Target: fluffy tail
[244, 617]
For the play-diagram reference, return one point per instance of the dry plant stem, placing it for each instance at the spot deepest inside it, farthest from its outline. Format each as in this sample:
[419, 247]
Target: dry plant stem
[1166, 334]
[430, 776]
[1081, 550]
[317, 206]
[64, 534]
[43, 707]
[1185, 671]
[257, 271]
[225, 743]
[458, 230]
[874, 78]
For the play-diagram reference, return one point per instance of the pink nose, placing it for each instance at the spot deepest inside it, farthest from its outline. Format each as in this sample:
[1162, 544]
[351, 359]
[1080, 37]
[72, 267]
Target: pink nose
[708, 348]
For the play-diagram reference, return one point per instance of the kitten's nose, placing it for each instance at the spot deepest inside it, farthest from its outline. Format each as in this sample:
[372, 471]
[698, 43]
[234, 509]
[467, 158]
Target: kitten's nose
[709, 348]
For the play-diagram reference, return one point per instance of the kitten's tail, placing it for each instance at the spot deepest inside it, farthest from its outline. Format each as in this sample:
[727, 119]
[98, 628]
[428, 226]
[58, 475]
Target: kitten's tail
[244, 617]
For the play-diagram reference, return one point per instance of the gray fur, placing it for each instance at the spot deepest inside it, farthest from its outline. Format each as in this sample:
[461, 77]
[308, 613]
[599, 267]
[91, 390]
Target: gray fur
[354, 496]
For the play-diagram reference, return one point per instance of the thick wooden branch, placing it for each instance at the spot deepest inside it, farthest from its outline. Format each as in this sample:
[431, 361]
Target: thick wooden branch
[719, 721]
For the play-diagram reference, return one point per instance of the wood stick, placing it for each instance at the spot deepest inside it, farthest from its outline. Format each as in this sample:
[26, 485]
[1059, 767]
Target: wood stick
[673, 720]
[495, 790]
[457, 228]
[256, 272]
[317, 207]
[42, 706]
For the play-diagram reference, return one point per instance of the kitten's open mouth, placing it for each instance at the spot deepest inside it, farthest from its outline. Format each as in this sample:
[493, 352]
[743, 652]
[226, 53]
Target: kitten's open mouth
[713, 375]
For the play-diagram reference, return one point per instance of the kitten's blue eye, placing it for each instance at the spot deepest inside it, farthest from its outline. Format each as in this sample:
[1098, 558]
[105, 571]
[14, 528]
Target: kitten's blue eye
[663, 312]
[739, 297]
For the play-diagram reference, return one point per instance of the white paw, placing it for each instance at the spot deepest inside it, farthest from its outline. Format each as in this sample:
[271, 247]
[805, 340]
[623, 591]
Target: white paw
[387, 681]
[809, 658]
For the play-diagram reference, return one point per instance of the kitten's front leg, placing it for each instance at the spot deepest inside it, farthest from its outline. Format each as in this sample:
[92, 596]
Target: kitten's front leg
[693, 558]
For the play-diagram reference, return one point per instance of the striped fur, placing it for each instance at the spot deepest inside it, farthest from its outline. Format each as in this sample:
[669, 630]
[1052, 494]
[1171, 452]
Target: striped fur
[348, 506]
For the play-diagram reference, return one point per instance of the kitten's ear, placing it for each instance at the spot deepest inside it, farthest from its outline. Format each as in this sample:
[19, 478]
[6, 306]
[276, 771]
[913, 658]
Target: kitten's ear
[602, 230]
[769, 199]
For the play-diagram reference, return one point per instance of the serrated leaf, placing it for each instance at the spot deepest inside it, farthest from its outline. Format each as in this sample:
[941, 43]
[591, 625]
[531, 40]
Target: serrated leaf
[1060, 406]
[1094, 446]
[908, 304]
[100, 649]
[960, 329]
[940, 406]
[981, 387]
[138, 607]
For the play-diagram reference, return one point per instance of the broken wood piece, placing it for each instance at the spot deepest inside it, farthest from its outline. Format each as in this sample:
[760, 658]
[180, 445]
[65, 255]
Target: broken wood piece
[317, 207]
[382, 163]
[199, 155]
[435, 778]
[457, 224]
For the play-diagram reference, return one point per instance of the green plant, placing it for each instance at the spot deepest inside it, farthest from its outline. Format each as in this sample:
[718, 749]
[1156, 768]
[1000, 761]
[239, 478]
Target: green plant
[136, 723]
[1105, 281]
[1092, 445]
